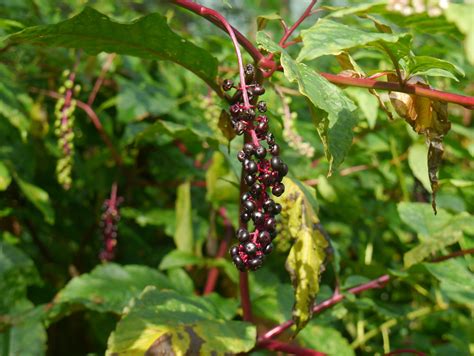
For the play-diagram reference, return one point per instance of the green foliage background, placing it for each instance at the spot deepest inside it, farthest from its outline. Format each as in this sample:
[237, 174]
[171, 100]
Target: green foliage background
[57, 298]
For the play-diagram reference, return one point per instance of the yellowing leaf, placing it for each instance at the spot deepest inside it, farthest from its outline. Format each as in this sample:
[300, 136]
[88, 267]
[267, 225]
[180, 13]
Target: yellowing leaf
[305, 261]
[429, 118]
[183, 236]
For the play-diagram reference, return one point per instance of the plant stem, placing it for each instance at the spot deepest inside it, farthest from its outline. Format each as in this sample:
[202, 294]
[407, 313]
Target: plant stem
[292, 29]
[100, 79]
[213, 273]
[275, 345]
[452, 255]
[379, 282]
[245, 296]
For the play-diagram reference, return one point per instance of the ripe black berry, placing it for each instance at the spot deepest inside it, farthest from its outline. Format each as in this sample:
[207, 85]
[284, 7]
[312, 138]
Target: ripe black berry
[260, 174]
[250, 248]
[260, 152]
[227, 84]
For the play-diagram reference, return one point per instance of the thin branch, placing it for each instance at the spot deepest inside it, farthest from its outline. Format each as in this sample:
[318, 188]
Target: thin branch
[100, 79]
[213, 273]
[275, 345]
[453, 255]
[292, 29]
[379, 282]
[93, 118]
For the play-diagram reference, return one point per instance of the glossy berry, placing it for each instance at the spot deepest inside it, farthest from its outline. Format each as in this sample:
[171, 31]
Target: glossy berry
[245, 217]
[257, 217]
[227, 84]
[276, 163]
[234, 250]
[243, 235]
[275, 150]
[241, 156]
[278, 189]
[259, 90]
[268, 249]
[250, 179]
[249, 206]
[251, 167]
[249, 149]
[250, 248]
[260, 152]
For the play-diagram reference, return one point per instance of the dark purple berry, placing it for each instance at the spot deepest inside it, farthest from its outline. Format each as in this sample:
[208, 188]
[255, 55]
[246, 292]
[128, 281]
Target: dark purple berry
[270, 224]
[269, 205]
[256, 189]
[249, 179]
[270, 138]
[249, 72]
[260, 152]
[251, 167]
[258, 217]
[275, 150]
[277, 209]
[249, 149]
[227, 84]
[249, 206]
[243, 235]
[250, 248]
[278, 189]
[259, 90]
[238, 263]
[264, 237]
[255, 263]
[276, 163]
[262, 126]
[246, 196]
[241, 156]
[245, 217]
[234, 250]
[283, 169]
[262, 106]
[268, 249]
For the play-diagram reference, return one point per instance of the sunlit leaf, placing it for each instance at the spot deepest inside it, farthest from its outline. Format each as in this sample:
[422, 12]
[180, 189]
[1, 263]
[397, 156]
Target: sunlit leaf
[183, 236]
[305, 261]
[38, 197]
[170, 323]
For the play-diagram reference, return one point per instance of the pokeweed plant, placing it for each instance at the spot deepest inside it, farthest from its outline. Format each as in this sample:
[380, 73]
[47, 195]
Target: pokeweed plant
[344, 214]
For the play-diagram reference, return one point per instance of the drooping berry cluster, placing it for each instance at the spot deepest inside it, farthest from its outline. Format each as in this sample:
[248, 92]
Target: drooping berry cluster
[64, 125]
[109, 224]
[261, 175]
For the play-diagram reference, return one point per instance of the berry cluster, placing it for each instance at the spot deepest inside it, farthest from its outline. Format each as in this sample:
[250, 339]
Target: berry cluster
[64, 125]
[109, 221]
[260, 174]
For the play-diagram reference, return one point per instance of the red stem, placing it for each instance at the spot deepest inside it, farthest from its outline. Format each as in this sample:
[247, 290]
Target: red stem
[245, 296]
[275, 345]
[292, 29]
[336, 298]
[100, 79]
[213, 273]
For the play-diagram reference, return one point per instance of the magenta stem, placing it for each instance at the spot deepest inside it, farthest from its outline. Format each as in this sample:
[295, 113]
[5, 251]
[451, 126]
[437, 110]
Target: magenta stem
[292, 29]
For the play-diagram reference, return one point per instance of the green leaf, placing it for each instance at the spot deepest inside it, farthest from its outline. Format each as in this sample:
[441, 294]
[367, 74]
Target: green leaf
[367, 103]
[325, 339]
[181, 281]
[338, 37]
[435, 67]
[148, 37]
[183, 236]
[218, 181]
[434, 232]
[38, 197]
[417, 160]
[307, 255]
[456, 280]
[461, 16]
[5, 177]
[26, 337]
[262, 20]
[169, 323]
[109, 288]
[153, 217]
[17, 272]
[178, 258]
[335, 128]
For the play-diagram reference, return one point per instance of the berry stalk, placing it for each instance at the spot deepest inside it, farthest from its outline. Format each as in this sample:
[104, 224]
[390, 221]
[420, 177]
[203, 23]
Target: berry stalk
[109, 224]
